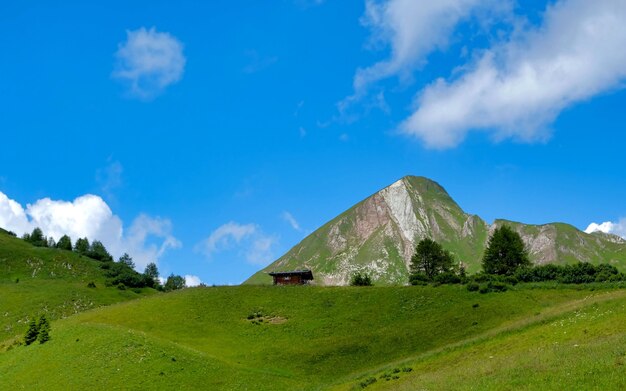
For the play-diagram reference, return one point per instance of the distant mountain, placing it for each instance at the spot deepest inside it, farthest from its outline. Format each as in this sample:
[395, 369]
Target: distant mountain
[378, 236]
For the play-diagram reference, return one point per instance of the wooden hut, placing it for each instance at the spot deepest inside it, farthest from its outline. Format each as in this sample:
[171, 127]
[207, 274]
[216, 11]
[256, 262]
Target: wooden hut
[296, 277]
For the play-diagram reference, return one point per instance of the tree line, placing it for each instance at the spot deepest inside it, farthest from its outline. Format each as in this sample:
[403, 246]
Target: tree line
[121, 273]
[505, 262]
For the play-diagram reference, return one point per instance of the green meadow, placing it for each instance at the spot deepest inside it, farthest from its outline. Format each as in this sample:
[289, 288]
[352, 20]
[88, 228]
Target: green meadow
[533, 336]
[264, 337]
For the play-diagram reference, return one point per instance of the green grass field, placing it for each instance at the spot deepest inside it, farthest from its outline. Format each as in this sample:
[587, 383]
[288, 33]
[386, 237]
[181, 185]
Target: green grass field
[35, 281]
[334, 338]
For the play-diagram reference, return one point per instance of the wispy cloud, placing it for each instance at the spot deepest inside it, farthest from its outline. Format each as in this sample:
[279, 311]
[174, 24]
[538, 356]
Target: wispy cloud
[146, 240]
[247, 240]
[149, 61]
[412, 30]
[258, 62]
[519, 86]
[109, 178]
[288, 217]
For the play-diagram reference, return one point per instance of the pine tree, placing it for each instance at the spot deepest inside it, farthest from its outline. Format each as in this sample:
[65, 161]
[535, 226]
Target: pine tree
[82, 246]
[44, 329]
[505, 252]
[32, 333]
[65, 243]
[127, 260]
[431, 259]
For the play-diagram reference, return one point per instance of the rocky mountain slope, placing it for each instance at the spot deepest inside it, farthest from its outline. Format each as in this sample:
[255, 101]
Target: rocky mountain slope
[378, 236]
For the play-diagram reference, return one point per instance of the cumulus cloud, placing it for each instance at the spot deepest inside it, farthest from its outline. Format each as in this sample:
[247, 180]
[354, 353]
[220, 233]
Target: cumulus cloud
[89, 216]
[288, 217]
[518, 87]
[609, 227]
[191, 280]
[248, 240]
[149, 61]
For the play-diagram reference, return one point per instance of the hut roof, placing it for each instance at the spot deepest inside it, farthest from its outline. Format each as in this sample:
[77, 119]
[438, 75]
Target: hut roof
[306, 273]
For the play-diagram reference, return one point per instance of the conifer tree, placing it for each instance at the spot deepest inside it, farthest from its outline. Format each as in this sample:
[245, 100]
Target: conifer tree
[32, 333]
[505, 252]
[44, 329]
[65, 243]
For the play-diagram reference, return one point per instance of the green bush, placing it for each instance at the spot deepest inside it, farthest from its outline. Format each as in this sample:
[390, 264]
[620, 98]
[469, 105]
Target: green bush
[448, 278]
[418, 279]
[497, 286]
[361, 279]
[367, 382]
[473, 286]
[91, 284]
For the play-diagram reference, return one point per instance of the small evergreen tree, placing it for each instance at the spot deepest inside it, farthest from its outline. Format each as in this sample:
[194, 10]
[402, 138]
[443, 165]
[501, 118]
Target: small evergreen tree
[65, 243]
[152, 273]
[99, 252]
[82, 246]
[505, 252]
[32, 333]
[36, 238]
[51, 242]
[127, 260]
[44, 329]
[431, 259]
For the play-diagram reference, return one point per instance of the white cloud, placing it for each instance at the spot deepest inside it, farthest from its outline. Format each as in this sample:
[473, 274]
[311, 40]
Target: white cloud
[288, 217]
[149, 61]
[608, 227]
[224, 236]
[412, 29]
[246, 239]
[89, 216]
[519, 86]
[191, 280]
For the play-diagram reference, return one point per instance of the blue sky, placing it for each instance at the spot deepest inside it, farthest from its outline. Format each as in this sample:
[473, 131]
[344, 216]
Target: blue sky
[213, 137]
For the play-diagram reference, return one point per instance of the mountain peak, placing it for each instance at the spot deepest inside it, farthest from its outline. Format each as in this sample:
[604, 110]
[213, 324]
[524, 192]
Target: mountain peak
[378, 236]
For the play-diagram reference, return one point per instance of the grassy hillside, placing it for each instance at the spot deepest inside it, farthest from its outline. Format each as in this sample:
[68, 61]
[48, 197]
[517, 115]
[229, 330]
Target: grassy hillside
[583, 349]
[317, 338]
[35, 280]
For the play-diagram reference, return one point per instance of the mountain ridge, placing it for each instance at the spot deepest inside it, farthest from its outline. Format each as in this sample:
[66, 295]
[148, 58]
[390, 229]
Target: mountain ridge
[378, 235]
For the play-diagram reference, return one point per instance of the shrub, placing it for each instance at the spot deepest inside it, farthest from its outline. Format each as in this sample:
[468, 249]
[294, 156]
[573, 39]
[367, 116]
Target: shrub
[497, 286]
[91, 284]
[448, 278]
[418, 279]
[367, 382]
[473, 287]
[361, 279]
[121, 286]
[484, 289]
